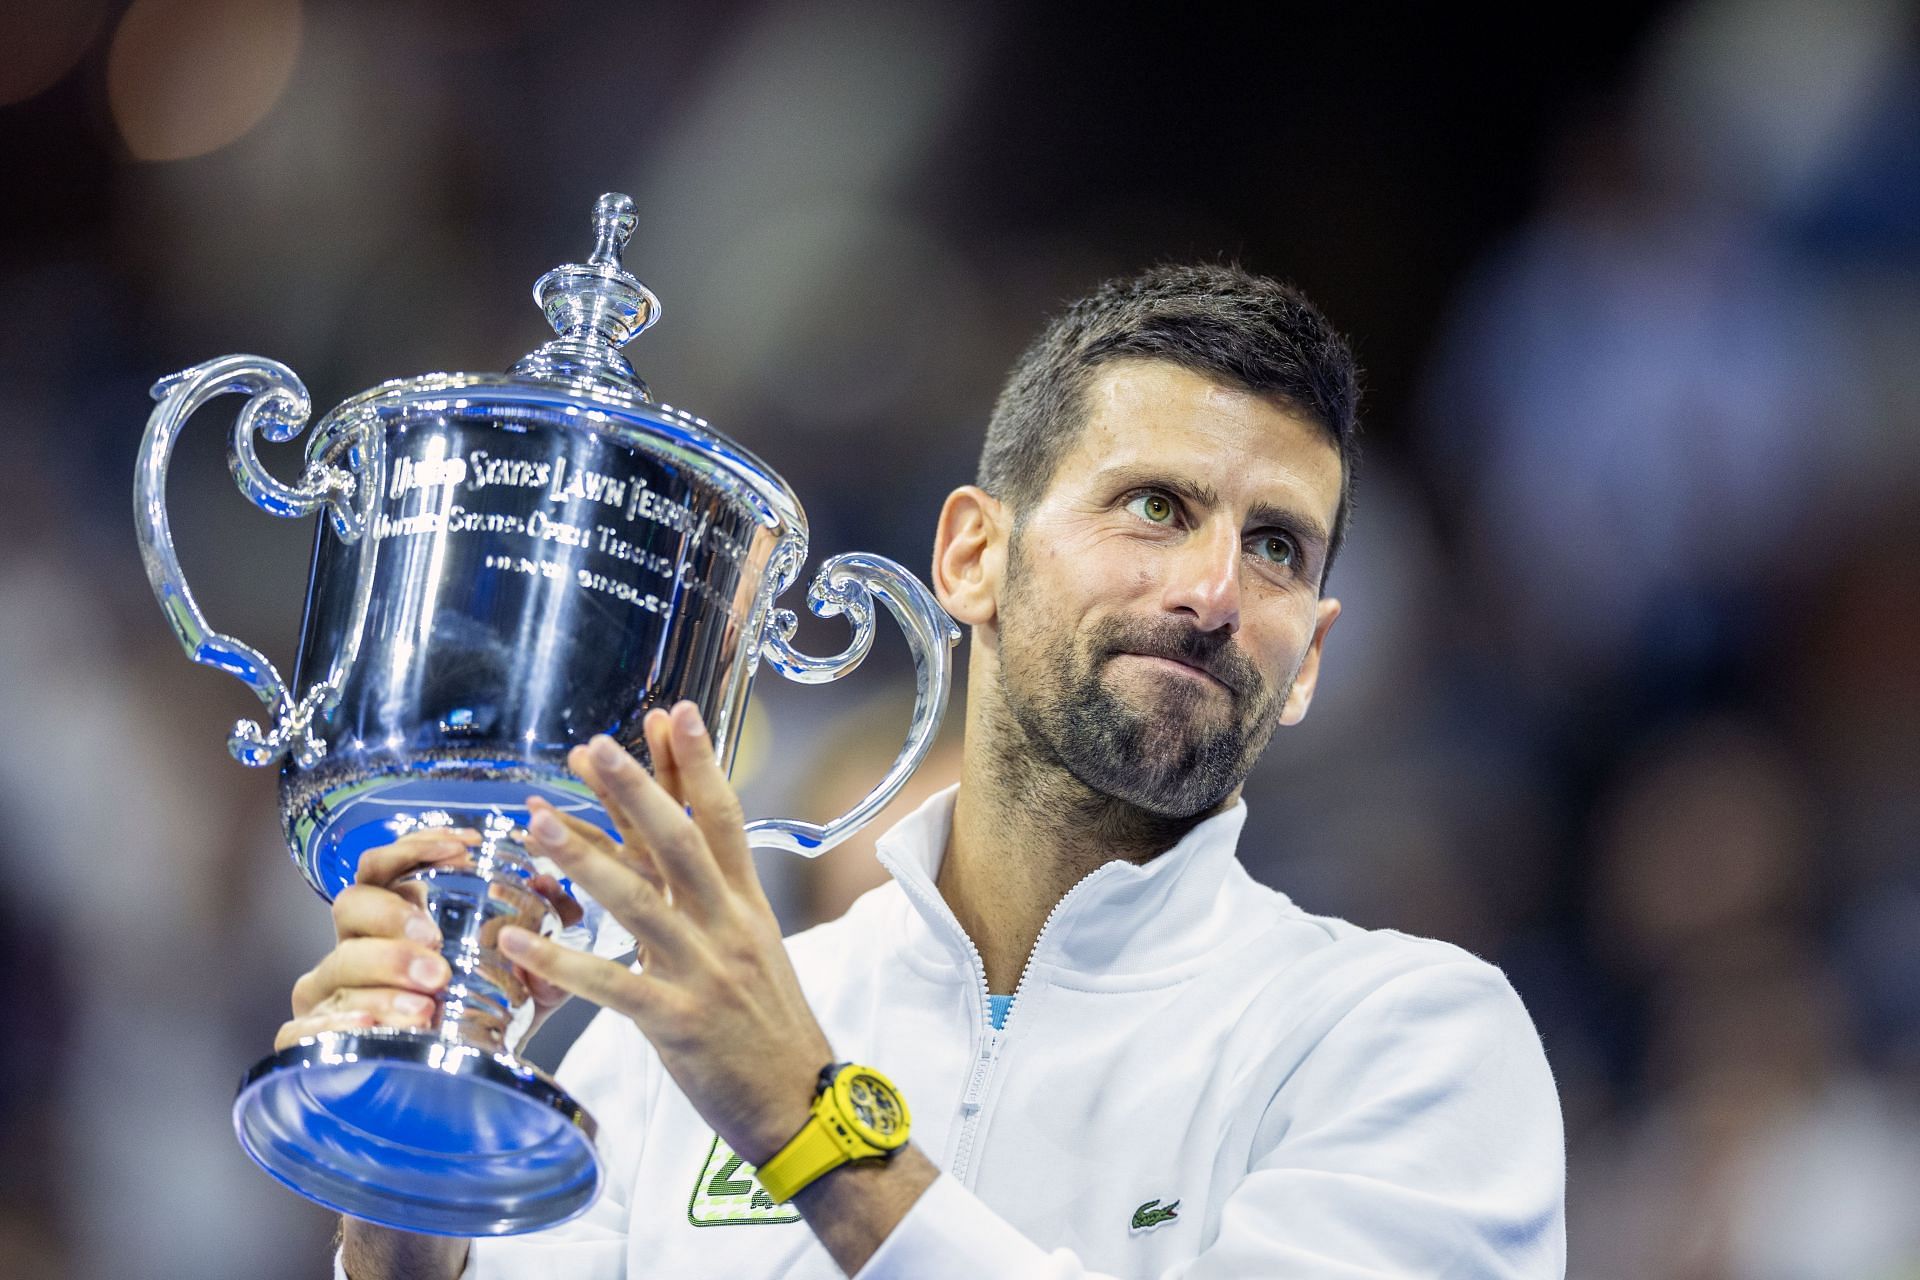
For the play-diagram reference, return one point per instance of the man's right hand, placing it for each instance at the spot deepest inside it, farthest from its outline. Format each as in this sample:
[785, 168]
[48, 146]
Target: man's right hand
[385, 968]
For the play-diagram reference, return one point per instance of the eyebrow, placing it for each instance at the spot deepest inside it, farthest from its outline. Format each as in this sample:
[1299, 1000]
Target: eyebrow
[1304, 528]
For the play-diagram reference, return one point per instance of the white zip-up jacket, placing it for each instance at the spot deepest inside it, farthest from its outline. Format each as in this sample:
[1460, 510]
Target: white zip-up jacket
[1196, 1079]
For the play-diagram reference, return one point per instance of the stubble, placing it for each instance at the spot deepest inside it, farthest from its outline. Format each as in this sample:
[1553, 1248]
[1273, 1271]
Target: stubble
[1140, 768]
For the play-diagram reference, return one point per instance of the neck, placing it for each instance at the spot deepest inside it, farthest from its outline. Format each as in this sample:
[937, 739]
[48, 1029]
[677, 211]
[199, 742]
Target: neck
[1025, 831]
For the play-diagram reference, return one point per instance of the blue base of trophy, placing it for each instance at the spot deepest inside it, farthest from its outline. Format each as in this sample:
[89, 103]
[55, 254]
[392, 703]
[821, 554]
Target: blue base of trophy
[407, 1130]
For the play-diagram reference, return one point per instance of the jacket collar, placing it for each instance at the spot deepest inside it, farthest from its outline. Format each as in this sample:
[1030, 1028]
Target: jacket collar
[1121, 920]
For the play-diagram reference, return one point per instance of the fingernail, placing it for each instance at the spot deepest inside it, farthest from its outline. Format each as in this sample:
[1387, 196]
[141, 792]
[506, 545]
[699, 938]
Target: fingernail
[515, 941]
[427, 971]
[686, 717]
[412, 1004]
[421, 929]
[606, 751]
[546, 828]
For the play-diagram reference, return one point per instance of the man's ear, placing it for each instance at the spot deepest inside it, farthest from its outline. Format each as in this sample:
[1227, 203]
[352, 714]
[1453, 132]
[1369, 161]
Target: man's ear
[969, 555]
[1309, 674]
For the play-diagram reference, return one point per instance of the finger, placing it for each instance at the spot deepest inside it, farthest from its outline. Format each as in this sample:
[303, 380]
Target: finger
[607, 984]
[580, 760]
[564, 904]
[626, 894]
[656, 822]
[715, 804]
[545, 994]
[633, 853]
[388, 862]
[368, 911]
[588, 831]
[370, 962]
[387, 1006]
[657, 727]
[639, 859]
[294, 1031]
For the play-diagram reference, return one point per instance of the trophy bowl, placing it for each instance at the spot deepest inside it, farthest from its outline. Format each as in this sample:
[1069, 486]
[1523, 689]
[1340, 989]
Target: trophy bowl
[504, 565]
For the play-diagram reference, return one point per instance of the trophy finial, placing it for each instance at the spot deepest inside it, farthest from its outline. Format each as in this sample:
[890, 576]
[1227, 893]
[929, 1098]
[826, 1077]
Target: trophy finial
[596, 306]
[613, 222]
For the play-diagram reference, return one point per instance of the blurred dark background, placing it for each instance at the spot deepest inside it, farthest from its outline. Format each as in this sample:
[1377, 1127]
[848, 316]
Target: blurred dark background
[1625, 697]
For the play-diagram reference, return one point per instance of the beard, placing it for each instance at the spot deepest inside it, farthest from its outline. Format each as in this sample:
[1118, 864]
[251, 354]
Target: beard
[1176, 752]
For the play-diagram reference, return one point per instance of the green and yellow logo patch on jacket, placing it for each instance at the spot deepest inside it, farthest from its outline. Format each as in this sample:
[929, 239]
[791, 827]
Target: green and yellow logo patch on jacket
[728, 1193]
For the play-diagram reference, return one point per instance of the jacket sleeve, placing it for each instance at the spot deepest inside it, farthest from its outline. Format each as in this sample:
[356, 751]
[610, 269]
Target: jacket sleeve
[608, 1070]
[612, 1071]
[1420, 1138]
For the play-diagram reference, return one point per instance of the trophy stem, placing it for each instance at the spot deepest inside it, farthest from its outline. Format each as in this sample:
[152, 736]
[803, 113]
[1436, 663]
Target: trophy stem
[487, 1005]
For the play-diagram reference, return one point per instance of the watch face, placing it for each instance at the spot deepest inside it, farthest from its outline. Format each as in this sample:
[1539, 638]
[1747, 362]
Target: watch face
[875, 1105]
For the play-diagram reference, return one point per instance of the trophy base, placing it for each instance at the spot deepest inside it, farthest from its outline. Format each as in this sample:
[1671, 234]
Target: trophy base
[408, 1130]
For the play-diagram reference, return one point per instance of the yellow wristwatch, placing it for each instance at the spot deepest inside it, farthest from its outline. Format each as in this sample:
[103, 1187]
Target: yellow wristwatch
[857, 1115]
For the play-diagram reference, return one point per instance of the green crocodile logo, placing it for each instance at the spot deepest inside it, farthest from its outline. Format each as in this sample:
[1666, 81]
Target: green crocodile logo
[1153, 1213]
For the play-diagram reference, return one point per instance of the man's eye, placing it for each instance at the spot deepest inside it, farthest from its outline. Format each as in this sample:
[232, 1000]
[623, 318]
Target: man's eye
[1154, 507]
[1275, 548]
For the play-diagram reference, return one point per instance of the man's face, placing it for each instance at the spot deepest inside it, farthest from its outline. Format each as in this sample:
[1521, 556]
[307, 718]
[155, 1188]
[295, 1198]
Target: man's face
[1162, 596]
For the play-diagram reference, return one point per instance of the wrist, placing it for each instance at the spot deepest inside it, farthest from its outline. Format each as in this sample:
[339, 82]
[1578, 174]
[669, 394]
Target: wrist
[854, 1208]
[788, 1112]
[861, 1177]
[370, 1252]
[856, 1115]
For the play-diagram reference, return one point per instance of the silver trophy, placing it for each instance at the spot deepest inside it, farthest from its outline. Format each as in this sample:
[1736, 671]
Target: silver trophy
[507, 565]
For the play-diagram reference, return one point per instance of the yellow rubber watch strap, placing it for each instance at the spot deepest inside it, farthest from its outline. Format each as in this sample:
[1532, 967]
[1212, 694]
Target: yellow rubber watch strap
[811, 1153]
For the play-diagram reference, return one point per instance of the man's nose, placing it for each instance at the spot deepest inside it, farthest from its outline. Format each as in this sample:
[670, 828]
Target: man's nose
[1203, 578]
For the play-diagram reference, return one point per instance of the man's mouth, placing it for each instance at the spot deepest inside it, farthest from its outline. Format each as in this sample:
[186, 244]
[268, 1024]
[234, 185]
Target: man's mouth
[1180, 667]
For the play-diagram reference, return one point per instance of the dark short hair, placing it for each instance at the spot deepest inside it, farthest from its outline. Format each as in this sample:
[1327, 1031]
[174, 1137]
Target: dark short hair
[1248, 331]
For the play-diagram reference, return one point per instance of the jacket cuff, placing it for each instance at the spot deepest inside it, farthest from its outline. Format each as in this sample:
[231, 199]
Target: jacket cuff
[950, 1234]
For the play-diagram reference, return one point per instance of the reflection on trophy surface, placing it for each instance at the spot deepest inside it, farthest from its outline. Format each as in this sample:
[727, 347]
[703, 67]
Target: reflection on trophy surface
[507, 565]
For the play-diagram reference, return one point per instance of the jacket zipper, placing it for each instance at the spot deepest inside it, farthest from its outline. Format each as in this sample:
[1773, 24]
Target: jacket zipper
[982, 1068]
[973, 1102]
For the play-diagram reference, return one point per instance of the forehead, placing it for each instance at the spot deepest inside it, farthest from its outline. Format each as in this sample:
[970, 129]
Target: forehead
[1156, 415]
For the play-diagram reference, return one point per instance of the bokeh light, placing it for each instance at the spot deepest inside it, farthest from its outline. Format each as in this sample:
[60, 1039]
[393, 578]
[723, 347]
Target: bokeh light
[42, 40]
[185, 77]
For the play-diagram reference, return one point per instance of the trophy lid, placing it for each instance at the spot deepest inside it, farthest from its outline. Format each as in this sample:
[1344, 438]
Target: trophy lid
[596, 307]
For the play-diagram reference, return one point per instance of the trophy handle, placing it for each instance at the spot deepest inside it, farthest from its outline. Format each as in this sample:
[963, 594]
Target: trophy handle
[277, 408]
[847, 584]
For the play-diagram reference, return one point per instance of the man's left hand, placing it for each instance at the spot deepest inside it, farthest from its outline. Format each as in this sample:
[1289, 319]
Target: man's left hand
[714, 991]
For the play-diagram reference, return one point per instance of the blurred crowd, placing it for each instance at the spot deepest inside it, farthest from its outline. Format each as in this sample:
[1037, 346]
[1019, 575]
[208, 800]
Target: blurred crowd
[1625, 696]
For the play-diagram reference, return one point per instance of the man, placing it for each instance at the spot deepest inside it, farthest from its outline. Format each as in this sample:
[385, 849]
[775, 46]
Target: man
[1193, 1077]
